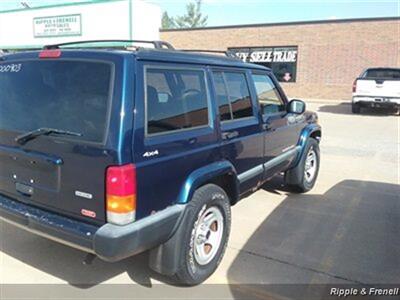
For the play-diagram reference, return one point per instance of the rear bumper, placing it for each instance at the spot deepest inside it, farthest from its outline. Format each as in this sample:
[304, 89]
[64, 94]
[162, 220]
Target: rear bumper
[109, 242]
[368, 101]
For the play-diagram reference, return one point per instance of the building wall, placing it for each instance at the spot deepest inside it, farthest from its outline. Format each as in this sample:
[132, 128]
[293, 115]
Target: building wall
[330, 54]
[95, 20]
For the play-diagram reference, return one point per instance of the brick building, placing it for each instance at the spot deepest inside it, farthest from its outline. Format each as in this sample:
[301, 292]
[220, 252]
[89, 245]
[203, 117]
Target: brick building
[316, 59]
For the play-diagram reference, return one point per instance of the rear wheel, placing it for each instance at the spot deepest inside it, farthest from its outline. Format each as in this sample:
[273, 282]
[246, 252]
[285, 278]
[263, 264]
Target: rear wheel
[206, 234]
[355, 108]
[302, 178]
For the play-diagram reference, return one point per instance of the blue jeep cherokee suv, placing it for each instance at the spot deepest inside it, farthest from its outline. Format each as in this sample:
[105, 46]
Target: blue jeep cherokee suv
[119, 151]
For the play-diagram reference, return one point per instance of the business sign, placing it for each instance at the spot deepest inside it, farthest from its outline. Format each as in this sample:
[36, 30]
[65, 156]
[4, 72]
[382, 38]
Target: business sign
[263, 55]
[282, 60]
[57, 26]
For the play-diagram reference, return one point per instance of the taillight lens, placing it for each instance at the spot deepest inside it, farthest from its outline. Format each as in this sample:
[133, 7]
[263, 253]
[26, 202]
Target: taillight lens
[121, 194]
[355, 86]
[53, 53]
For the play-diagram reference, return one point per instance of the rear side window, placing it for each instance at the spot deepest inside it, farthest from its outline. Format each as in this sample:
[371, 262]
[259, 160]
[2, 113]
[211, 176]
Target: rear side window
[382, 74]
[233, 95]
[60, 94]
[176, 99]
[225, 111]
[268, 97]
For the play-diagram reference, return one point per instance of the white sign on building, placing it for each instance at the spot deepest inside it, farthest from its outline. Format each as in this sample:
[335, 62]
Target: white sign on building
[96, 20]
[57, 26]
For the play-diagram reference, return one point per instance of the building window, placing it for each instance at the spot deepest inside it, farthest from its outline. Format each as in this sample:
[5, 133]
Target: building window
[282, 60]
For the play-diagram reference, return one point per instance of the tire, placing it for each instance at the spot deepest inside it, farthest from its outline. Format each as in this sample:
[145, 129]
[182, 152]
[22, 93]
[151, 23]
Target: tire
[296, 179]
[355, 108]
[208, 201]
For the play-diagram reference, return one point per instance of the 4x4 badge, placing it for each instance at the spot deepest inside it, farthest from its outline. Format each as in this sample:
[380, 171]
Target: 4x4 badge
[151, 153]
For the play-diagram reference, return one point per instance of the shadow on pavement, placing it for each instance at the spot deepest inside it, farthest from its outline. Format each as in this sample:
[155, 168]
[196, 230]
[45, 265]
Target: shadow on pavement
[344, 108]
[349, 235]
[66, 264]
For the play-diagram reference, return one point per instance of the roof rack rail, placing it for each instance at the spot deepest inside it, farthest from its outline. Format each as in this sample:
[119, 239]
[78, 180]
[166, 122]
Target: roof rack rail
[226, 52]
[157, 44]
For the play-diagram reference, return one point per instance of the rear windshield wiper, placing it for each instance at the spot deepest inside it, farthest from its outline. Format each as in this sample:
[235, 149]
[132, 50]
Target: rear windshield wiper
[23, 138]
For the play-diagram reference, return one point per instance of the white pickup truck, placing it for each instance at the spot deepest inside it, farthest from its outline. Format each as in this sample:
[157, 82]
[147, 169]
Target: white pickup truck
[377, 87]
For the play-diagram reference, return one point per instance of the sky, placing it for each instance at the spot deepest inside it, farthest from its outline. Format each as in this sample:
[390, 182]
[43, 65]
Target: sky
[233, 12]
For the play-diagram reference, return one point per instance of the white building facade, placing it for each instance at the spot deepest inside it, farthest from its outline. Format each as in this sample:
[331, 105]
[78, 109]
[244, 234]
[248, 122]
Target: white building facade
[96, 20]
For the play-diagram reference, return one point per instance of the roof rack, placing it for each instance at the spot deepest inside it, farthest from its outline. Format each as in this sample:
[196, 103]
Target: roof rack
[227, 52]
[157, 44]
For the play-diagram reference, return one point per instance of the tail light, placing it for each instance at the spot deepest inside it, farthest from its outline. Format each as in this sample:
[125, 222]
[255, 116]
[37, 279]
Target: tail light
[51, 53]
[355, 86]
[121, 194]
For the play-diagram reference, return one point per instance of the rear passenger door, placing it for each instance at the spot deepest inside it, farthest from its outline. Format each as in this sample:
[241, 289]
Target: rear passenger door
[241, 133]
[280, 129]
[173, 109]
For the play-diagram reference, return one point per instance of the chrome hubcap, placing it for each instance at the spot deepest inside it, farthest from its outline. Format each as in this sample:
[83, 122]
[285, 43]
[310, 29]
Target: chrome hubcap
[310, 167]
[208, 235]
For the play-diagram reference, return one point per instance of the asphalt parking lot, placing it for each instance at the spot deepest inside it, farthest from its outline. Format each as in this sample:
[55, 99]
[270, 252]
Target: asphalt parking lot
[346, 230]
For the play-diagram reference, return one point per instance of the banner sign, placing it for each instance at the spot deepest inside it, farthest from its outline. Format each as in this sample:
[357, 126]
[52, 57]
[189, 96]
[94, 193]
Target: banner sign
[57, 26]
[267, 55]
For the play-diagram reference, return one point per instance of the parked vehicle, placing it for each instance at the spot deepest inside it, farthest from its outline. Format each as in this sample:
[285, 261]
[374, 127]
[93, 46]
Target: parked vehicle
[377, 87]
[116, 152]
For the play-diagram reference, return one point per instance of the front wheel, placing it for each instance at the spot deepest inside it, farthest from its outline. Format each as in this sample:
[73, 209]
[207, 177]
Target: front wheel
[206, 234]
[302, 178]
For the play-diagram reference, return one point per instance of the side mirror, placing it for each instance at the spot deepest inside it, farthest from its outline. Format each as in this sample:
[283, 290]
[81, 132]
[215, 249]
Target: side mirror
[296, 106]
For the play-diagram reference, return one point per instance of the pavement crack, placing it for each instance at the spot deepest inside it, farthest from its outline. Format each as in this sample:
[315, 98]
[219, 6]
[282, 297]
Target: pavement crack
[300, 266]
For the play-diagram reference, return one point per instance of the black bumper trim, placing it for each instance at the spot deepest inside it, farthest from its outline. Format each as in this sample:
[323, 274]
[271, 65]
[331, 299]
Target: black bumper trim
[383, 104]
[109, 242]
[113, 242]
[52, 226]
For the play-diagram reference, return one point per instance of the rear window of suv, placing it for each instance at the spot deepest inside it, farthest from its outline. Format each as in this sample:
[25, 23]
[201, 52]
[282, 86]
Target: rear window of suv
[382, 74]
[61, 94]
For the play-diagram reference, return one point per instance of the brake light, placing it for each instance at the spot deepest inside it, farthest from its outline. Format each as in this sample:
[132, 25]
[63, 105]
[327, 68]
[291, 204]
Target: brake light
[355, 86]
[121, 194]
[53, 53]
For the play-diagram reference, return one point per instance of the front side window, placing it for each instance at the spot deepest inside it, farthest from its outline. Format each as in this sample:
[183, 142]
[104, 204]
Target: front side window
[233, 95]
[268, 97]
[176, 99]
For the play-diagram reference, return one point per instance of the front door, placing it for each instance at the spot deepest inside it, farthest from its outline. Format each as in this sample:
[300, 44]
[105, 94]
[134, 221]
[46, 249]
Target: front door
[281, 130]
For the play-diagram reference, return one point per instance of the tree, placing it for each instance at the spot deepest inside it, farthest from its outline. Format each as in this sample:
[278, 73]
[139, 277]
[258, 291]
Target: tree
[193, 17]
[167, 21]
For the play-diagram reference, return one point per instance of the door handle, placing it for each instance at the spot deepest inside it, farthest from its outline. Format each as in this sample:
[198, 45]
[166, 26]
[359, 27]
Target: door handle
[267, 127]
[192, 141]
[229, 135]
